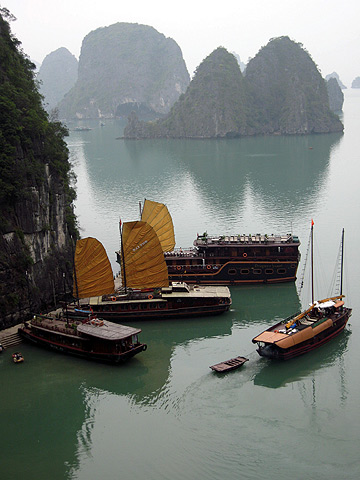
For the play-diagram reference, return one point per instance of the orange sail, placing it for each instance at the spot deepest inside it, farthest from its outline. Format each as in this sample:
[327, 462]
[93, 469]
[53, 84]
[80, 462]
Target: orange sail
[92, 270]
[145, 265]
[158, 216]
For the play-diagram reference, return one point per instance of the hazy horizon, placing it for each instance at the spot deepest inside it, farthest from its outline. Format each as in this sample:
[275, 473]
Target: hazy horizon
[199, 27]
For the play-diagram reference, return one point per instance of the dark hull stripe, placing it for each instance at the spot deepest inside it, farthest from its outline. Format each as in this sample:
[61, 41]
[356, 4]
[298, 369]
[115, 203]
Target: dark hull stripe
[160, 314]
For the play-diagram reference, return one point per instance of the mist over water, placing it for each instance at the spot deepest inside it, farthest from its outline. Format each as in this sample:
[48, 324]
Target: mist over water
[165, 414]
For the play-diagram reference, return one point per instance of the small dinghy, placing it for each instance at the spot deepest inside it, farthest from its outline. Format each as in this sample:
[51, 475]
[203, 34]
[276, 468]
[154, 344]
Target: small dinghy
[228, 365]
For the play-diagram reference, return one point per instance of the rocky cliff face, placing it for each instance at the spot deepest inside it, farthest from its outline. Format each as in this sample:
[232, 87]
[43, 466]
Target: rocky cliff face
[126, 64]
[57, 75]
[214, 105]
[336, 96]
[36, 209]
[289, 94]
[281, 93]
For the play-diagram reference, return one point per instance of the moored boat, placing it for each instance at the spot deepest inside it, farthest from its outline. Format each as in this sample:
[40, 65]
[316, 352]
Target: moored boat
[92, 338]
[307, 330]
[236, 259]
[146, 292]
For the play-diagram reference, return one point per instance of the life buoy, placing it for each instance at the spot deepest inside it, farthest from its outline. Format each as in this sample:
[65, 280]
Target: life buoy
[150, 297]
[208, 267]
[244, 254]
[113, 299]
[178, 267]
[144, 347]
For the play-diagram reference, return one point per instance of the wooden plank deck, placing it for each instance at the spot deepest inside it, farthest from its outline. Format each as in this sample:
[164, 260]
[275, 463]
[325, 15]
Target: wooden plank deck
[228, 365]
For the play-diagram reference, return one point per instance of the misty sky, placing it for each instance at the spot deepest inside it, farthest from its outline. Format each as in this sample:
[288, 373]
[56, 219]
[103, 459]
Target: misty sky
[328, 29]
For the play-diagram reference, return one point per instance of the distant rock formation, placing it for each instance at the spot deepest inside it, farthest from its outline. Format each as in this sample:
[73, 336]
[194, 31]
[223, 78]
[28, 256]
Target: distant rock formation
[336, 96]
[289, 93]
[337, 78]
[57, 75]
[281, 93]
[214, 104]
[356, 83]
[126, 66]
[241, 64]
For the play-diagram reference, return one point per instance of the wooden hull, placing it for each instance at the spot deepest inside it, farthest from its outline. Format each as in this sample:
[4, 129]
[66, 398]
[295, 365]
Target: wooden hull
[175, 301]
[234, 273]
[229, 365]
[273, 351]
[98, 356]
[115, 313]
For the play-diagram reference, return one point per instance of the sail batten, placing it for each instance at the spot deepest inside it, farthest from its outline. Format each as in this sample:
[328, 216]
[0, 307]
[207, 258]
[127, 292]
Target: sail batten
[92, 270]
[145, 265]
[157, 215]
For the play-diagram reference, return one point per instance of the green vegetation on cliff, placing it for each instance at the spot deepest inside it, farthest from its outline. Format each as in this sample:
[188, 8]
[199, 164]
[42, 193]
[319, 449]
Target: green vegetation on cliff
[282, 93]
[214, 105]
[36, 197]
[288, 92]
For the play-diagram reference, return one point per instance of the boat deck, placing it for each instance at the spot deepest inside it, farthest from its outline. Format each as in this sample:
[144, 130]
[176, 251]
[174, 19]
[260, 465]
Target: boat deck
[99, 328]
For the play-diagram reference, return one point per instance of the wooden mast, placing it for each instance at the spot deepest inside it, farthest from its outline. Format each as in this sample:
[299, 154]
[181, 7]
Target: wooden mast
[342, 261]
[122, 258]
[312, 261]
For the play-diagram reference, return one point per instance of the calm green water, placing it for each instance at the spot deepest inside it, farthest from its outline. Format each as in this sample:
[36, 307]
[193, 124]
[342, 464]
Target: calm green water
[165, 414]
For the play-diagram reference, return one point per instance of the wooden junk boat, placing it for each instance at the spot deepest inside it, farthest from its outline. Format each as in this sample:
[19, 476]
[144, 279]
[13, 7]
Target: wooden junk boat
[146, 292]
[92, 338]
[308, 330]
[236, 260]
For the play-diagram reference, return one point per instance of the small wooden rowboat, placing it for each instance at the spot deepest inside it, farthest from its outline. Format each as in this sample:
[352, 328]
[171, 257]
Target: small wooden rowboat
[228, 365]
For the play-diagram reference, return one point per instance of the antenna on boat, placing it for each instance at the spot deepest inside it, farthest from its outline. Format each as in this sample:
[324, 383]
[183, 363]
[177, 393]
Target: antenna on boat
[312, 261]
[342, 261]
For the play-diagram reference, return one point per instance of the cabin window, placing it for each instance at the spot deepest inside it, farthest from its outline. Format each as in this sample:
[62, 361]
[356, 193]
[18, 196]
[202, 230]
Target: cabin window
[232, 271]
[144, 306]
[293, 266]
[257, 271]
[269, 271]
[244, 271]
[133, 306]
[281, 271]
[162, 305]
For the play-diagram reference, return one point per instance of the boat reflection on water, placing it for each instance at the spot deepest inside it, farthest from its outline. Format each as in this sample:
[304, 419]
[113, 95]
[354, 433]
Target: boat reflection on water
[79, 390]
[145, 377]
[277, 374]
[257, 304]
